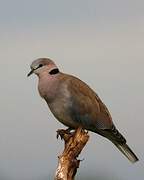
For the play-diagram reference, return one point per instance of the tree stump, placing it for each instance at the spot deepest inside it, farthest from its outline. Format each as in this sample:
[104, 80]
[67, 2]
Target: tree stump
[67, 161]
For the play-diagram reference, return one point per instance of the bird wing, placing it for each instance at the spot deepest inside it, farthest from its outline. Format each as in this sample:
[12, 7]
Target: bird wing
[86, 107]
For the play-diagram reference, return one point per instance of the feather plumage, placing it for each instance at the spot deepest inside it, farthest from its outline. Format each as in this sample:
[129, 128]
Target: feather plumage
[75, 104]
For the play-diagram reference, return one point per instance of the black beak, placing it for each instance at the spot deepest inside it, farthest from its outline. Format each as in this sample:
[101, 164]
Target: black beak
[31, 72]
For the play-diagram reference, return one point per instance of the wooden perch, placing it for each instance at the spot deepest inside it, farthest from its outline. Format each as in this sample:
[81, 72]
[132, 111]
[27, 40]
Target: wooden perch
[68, 162]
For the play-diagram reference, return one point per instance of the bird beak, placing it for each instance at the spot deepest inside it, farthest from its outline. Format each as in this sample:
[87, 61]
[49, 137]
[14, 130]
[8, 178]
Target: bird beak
[31, 72]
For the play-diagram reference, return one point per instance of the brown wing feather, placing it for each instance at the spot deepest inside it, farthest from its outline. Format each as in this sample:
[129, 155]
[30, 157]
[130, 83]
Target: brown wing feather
[88, 102]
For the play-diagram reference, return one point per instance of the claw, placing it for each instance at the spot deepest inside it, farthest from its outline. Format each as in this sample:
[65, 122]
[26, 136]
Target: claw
[59, 133]
[64, 134]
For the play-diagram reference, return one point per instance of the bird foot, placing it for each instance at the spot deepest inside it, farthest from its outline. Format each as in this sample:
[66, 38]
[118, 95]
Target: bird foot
[64, 133]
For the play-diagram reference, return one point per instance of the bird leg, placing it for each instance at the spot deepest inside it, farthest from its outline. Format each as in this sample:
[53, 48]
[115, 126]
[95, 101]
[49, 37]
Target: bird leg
[64, 134]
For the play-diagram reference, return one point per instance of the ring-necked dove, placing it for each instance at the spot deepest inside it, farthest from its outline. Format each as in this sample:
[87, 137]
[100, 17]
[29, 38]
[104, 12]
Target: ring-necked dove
[75, 104]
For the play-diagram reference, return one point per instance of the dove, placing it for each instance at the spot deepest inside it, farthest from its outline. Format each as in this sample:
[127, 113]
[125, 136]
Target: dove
[75, 104]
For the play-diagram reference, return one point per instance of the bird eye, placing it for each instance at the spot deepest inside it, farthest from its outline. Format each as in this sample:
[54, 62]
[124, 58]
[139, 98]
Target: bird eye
[40, 65]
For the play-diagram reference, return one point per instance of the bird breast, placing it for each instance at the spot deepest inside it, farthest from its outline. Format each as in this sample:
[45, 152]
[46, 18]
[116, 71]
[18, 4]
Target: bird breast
[47, 88]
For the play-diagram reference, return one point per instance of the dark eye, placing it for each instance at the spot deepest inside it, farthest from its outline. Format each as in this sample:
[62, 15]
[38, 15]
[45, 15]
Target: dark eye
[40, 65]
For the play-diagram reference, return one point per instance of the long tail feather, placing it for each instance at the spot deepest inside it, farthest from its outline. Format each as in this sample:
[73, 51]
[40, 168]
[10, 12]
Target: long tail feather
[120, 142]
[125, 149]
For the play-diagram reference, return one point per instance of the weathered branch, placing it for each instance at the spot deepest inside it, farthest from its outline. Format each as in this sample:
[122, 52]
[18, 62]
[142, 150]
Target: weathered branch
[68, 162]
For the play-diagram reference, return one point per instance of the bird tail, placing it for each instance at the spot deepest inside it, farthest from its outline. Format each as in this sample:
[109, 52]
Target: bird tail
[120, 142]
[125, 149]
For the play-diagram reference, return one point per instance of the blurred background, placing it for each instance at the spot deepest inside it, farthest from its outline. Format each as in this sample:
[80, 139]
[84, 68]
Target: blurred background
[101, 42]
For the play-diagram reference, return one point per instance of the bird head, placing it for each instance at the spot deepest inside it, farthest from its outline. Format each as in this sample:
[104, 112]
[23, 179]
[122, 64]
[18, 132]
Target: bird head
[43, 65]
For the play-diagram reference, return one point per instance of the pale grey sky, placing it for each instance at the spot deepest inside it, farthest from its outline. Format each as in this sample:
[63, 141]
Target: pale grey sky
[101, 42]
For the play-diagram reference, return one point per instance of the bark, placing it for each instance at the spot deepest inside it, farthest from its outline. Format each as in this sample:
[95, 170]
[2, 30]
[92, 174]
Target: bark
[67, 161]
